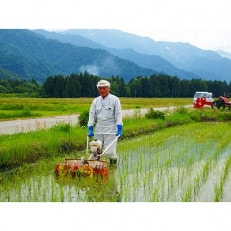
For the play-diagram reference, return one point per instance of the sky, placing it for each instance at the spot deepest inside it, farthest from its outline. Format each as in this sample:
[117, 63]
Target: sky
[202, 23]
[205, 24]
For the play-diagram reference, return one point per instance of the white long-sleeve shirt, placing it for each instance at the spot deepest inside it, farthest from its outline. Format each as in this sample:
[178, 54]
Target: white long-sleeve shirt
[105, 114]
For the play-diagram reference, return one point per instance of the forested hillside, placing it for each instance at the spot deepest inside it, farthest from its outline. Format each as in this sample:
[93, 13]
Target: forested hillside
[205, 64]
[29, 55]
[154, 62]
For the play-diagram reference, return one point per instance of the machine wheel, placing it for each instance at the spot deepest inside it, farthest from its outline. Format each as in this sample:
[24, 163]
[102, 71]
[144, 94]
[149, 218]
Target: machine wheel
[223, 104]
[220, 103]
[213, 104]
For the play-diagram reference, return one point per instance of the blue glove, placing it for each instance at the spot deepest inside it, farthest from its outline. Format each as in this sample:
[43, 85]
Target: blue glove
[119, 130]
[90, 131]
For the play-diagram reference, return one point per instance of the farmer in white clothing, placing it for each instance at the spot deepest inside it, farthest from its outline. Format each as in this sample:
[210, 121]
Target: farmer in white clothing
[106, 115]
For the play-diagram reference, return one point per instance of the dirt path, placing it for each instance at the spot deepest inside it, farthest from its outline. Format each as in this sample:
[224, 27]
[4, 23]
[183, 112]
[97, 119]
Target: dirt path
[17, 126]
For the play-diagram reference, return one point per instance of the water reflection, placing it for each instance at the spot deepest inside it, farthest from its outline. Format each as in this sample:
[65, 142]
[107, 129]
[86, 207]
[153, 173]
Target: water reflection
[47, 187]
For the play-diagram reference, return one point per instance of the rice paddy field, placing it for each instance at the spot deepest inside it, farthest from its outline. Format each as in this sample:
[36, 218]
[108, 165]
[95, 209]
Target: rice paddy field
[13, 107]
[187, 163]
[181, 163]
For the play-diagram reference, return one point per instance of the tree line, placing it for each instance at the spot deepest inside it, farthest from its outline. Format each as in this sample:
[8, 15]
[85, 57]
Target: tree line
[84, 85]
[157, 85]
[26, 87]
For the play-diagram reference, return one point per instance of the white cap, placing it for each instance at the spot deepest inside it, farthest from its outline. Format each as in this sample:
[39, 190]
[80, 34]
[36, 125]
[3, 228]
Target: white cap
[103, 83]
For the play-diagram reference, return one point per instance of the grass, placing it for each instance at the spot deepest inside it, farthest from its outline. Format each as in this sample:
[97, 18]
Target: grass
[30, 147]
[16, 107]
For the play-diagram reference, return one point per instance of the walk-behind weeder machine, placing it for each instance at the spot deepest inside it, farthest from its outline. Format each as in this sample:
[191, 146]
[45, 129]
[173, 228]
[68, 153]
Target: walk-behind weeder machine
[92, 166]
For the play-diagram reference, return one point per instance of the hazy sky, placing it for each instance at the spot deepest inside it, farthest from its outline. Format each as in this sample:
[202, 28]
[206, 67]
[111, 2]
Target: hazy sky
[202, 23]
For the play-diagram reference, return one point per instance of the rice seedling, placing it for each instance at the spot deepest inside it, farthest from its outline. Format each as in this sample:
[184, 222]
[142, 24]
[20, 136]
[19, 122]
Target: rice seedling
[183, 163]
[219, 188]
[193, 168]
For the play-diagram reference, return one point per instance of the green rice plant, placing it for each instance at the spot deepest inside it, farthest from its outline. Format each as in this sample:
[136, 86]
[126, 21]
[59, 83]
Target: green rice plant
[12, 106]
[155, 195]
[206, 169]
[187, 195]
[218, 193]
[227, 167]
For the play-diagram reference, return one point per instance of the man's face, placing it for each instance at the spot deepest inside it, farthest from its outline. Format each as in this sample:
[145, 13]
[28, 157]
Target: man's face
[103, 91]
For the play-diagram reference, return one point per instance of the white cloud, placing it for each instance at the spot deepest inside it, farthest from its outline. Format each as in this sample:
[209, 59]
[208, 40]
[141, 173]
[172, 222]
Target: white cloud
[204, 23]
[91, 69]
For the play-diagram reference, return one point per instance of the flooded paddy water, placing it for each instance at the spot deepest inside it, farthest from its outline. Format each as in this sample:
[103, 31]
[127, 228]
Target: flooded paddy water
[180, 164]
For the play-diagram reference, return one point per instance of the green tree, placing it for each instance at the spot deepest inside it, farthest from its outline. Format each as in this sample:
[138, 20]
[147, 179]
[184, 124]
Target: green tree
[59, 86]
[48, 86]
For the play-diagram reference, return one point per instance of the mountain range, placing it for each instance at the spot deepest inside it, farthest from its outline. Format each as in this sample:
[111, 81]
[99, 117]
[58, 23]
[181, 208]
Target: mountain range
[39, 53]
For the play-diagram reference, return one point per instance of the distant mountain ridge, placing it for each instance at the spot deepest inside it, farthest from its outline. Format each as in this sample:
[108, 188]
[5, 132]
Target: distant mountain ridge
[224, 54]
[153, 62]
[203, 63]
[38, 54]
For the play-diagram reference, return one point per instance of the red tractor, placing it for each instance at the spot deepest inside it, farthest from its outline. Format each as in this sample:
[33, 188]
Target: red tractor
[222, 102]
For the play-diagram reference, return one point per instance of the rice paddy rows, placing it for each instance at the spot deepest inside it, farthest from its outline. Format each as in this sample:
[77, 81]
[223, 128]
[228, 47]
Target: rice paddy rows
[179, 164]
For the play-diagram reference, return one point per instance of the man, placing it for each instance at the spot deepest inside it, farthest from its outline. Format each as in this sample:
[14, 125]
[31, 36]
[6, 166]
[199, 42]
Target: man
[106, 115]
